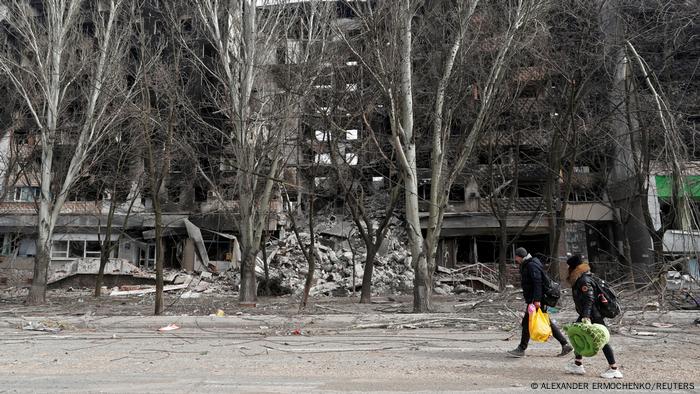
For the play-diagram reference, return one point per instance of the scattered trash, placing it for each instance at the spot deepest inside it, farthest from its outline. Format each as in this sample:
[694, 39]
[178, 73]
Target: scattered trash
[296, 332]
[643, 333]
[190, 294]
[220, 313]
[41, 326]
[662, 325]
[169, 327]
[652, 305]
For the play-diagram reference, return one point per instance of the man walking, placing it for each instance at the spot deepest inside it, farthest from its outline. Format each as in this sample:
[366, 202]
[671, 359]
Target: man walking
[531, 270]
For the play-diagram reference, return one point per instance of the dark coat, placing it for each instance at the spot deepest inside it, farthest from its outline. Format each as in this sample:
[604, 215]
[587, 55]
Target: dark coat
[531, 279]
[583, 292]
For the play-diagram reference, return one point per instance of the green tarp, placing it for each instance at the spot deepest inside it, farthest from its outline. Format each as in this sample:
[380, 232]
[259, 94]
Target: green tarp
[691, 185]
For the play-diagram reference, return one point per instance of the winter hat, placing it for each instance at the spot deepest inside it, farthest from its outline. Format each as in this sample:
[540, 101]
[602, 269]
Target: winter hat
[521, 252]
[573, 261]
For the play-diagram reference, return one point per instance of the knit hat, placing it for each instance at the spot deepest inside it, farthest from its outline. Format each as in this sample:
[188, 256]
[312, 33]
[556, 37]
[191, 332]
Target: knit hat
[521, 252]
[574, 260]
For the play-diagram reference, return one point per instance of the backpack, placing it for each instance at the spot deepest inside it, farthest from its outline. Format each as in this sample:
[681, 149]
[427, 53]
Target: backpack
[551, 290]
[605, 299]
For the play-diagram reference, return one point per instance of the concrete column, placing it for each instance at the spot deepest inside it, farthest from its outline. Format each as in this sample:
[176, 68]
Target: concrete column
[188, 255]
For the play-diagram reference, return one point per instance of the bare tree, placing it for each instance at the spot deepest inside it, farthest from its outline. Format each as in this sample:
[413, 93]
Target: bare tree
[255, 112]
[392, 68]
[115, 187]
[56, 69]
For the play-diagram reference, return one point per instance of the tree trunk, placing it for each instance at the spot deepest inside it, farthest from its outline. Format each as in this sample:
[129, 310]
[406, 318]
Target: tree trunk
[366, 292]
[311, 255]
[250, 246]
[37, 292]
[104, 259]
[105, 248]
[266, 266]
[502, 253]
[248, 290]
[422, 286]
[159, 257]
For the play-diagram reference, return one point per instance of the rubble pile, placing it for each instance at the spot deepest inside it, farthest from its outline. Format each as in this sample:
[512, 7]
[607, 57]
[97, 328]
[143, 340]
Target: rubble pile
[336, 267]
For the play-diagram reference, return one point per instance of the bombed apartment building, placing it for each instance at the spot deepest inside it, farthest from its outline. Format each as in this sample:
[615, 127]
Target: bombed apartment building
[558, 170]
[111, 208]
[621, 178]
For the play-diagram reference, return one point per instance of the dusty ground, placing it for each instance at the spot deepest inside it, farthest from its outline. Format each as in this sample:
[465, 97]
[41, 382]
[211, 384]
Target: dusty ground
[111, 345]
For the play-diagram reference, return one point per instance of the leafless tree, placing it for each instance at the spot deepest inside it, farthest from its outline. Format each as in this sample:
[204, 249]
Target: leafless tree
[393, 69]
[69, 76]
[254, 110]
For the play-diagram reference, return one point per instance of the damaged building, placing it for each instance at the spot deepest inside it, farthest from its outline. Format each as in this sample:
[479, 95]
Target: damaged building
[502, 192]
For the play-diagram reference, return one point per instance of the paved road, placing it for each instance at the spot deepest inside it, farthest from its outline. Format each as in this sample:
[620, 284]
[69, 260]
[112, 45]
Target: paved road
[258, 354]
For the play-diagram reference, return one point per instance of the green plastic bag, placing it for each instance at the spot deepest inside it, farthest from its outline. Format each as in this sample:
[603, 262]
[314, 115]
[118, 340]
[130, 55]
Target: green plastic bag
[587, 339]
[540, 329]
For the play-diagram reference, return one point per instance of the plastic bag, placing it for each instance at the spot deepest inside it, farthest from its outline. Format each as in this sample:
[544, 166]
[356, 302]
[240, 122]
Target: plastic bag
[540, 329]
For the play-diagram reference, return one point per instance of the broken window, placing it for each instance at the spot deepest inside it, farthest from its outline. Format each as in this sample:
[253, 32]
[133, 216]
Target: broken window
[322, 135]
[378, 182]
[323, 111]
[351, 159]
[322, 158]
[200, 193]
[27, 193]
[59, 249]
[424, 191]
[147, 256]
[76, 249]
[457, 193]
[93, 249]
[7, 247]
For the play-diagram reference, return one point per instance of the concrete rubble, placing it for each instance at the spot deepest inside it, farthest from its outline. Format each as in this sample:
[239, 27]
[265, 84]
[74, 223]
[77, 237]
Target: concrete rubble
[340, 261]
[339, 270]
[340, 265]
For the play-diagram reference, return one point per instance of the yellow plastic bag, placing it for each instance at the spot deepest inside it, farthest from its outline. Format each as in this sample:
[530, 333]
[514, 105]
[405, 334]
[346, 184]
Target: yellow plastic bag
[540, 329]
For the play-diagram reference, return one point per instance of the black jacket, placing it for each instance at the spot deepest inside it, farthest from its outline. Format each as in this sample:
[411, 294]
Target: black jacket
[584, 297]
[531, 279]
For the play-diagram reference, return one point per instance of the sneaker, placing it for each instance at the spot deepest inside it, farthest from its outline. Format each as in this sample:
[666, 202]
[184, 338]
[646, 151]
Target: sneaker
[565, 349]
[612, 374]
[575, 369]
[517, 352]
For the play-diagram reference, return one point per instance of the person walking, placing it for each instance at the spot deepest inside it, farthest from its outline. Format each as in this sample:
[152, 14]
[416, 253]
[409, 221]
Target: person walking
[532, 284]
[582, 290]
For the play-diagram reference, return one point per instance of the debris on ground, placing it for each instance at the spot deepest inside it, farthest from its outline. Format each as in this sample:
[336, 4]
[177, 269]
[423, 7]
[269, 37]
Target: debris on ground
[49, 326]
[169, 327]
[465, 279]
[60, 270]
